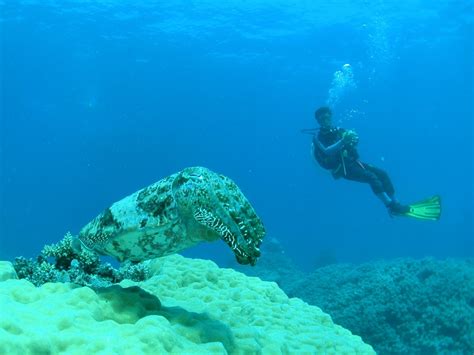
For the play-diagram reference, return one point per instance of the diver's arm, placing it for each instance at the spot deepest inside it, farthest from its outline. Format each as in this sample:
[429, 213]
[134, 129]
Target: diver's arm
[332, 149]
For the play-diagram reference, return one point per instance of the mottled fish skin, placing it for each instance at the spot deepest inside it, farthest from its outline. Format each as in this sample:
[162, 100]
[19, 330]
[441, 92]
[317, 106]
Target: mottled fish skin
[175, 213]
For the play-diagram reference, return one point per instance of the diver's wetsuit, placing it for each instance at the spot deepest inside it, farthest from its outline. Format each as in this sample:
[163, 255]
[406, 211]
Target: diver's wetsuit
[343, 160]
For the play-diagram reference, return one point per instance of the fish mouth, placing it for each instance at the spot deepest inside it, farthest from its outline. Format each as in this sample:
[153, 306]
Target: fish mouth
[235, 234]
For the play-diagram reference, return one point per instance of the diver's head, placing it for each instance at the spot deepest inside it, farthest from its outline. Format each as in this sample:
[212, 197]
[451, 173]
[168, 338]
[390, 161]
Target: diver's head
[323, 116]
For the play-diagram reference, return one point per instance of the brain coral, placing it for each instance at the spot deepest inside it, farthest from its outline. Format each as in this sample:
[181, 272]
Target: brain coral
[187, 306]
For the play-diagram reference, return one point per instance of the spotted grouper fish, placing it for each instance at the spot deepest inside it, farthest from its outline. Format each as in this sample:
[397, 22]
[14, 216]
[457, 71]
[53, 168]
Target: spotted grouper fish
[192, 206]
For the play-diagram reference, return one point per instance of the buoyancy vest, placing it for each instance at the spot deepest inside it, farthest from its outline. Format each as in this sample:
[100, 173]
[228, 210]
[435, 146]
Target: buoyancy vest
[328, 137]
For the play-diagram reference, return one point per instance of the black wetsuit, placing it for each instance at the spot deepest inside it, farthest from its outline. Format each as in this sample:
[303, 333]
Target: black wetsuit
[342, 159]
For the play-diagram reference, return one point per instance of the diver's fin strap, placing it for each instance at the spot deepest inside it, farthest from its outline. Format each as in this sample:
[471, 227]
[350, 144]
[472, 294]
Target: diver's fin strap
[429, 209]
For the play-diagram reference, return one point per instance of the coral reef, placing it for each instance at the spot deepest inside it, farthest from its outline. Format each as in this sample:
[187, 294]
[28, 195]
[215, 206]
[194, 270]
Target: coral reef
[7, 271]
[64, 254]
[186, 306]
[61, 263]
[399, 307]
[403, 306]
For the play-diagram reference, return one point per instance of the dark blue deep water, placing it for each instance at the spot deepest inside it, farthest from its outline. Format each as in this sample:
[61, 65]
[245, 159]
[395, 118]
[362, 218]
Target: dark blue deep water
[99, 99]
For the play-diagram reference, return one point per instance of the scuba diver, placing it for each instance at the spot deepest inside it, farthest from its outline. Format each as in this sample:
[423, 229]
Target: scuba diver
[335, 149]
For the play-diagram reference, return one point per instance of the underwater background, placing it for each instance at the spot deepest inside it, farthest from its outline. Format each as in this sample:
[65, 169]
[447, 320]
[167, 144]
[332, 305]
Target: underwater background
[102, 98]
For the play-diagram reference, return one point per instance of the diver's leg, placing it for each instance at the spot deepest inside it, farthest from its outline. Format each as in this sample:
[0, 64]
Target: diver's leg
[388, 194]
[380, 184]
[384, 179]
[357, 172]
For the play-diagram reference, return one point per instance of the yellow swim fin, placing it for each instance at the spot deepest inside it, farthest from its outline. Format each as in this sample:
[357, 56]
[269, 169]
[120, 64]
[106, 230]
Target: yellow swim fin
[429, 209]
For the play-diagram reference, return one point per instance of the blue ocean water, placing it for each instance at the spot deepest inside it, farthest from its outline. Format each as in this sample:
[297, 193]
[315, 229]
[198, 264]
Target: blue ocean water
[99, 99]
